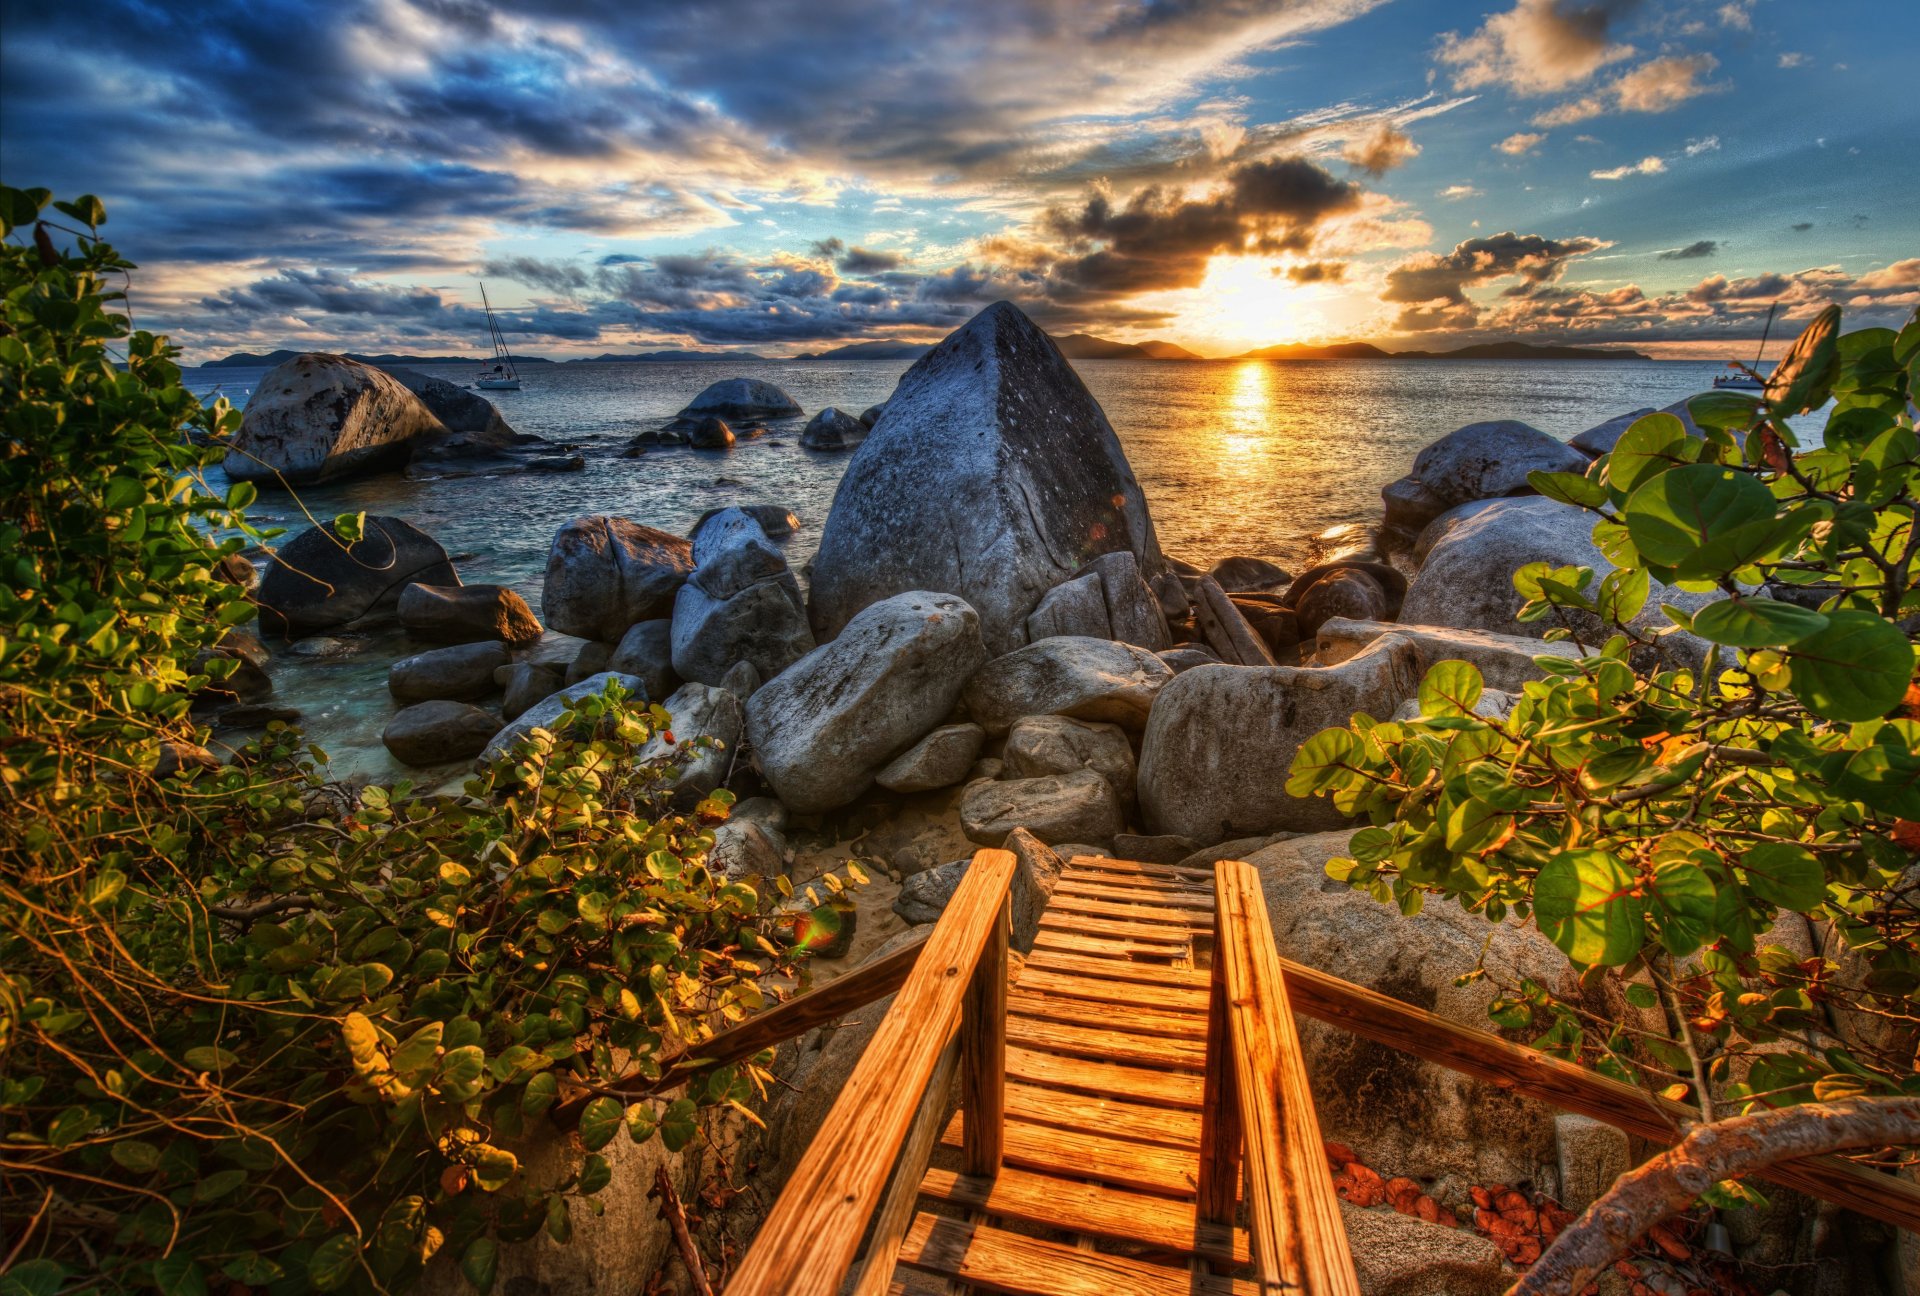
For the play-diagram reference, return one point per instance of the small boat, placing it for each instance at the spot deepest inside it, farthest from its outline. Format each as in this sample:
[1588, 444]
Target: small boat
[1748, 377]
[500, 375]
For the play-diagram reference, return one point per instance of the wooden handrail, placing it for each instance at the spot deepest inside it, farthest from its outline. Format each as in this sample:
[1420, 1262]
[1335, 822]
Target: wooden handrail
[1299, 1241]
[782, 1022]
[807, 1245]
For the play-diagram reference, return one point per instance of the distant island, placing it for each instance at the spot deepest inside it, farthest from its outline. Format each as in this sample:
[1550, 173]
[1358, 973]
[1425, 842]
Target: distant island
[870, 351]
[667, 357]
[1477, 351]
[255, 360]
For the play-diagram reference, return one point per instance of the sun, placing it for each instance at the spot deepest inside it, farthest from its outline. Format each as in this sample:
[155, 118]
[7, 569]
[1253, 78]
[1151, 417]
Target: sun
[1246, 302]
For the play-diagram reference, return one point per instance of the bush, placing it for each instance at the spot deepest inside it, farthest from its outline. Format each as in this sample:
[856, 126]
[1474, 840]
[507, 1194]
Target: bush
[1655, 823]
[254, 1027]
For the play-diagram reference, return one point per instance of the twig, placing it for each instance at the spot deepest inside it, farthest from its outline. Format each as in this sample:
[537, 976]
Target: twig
[676, 1217]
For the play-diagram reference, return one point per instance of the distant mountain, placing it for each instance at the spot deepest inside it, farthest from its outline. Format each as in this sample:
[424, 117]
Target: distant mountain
[1305, 351]
[1477, 351]
[1085, 346]
[666, 357]
[871, 351]
[253, 360]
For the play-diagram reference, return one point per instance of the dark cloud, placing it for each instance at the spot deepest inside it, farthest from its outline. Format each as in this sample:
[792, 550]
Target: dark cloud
[1317, 272]
[866, 261]
[1801, 227]
[1381, 151]
[1433, 287]
[1692, 251]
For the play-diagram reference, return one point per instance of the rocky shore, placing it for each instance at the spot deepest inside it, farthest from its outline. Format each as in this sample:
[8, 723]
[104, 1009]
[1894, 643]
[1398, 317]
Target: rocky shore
[990, 648]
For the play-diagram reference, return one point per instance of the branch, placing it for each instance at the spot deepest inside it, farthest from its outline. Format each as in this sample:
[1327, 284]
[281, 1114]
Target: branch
[252, 912]
[1726, 1149]
[676, 1217]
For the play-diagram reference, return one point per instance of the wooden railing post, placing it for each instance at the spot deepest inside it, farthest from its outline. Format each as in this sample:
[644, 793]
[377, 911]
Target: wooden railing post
[983, 1054]
[1220, 1132]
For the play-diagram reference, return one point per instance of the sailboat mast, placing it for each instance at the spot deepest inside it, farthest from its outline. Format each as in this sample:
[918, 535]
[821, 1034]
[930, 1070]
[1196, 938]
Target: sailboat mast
[1764, 333]
[500, 351]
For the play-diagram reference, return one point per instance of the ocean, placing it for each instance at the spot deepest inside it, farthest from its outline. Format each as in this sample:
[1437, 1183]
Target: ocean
[1235, 457]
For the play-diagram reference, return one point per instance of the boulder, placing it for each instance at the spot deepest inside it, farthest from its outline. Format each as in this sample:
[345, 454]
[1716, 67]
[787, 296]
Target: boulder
[1075, 607]
[1392, 582]
[824, 727]
[1226, 628]
[1505, 661]
[697, 711]
[1592, 1155]
[1133, 612]
[994, 475]
[924, 896]
[711, 433]
[1242, 575]
[590, 659]
[742, 680]
[462, 672]
[462, 411]
[526, 683]
[741, 398]
[1596, 441]
[1186, 657]
[1218, 747]
[1088, 679]
[832, 429]
[248, 679]
[646, 651]
[1403, 1255]
[1171, 594]
[316, 581]
[1038, 746]
[1493, 705]
[939, 760]
[467, 614]
[871, 415]
[432, 733]
[546, 713]
[176, 757]
[1348, 592]
[1479, 461]
[1277, 624]
[321, 417]
[777, 520]
[1155, 848]
[1076, 807]
[740, 604]
[605, 573]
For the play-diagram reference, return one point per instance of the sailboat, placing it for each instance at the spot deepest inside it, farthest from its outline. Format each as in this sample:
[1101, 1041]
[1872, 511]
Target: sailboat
[500, 375]
[1747, 377]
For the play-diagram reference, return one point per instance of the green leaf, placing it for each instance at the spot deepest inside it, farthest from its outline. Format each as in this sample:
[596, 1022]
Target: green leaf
[41, 1277]
[1475, 825]
[1322, 762]
[1581, 900]
[1858, 668]
[1623, 594]
[217, 1185]
[1684, 897]
[136, 1155]
[1724, 409]
[599, 1122]
[1677, 512]
[1805, 375]
[641, 1122]
[678, 1124]
[1742, 622]
[596, 1172]
[1451, 688]
[333, 1262]
[1569, 488]
[1641, 995]
[179, 1275]
[480, 1263]
[539, 1093]
[1787, 875]
[1653, 445]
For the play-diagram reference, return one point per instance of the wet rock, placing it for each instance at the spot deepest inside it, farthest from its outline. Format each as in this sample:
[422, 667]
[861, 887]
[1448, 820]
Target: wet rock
[546, 713]
[1134, 614]
[606, 573]
[1038, 746]
[317, 582]
[321, 417]
[467, 614]
[1088, 679]
[433, 733]
[255, 715]
[234, 569]
[556, 463]
[462, 672]
[526, 683]
[939, 760]
[1080, 806]
[461, 411]
[833, 429]
[742, 398]
[1504, 661]
[740, 604]
[711, 434]
[1479, 461]
[1596, 441]
[823, 728]
[1243, 575]
[1347, 592]
[646, 651]
[1226, 628]
[1218, 748]
[1075, 607]
[246, 681]
[992, 475]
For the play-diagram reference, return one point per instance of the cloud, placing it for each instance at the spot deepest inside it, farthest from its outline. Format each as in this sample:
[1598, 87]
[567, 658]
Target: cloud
[1381, 151]
[1645, 166]
[1653, 87]
[1692, 251]
[1455, 192]
[1432, 288]
[1801, 227]
[1737, 14]
[1537, 47]
[1706, 144]
[1793, 60]
[1306, 272]
[1522, 143]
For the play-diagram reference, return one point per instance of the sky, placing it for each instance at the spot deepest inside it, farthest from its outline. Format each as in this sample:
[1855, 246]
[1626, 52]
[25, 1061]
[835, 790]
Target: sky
[783, 176]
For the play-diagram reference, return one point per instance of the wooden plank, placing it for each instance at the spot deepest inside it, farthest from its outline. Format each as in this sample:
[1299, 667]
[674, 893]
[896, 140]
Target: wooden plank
[796, 1016]
[1572, 1088]
[983, 1050]
[1160, 1223]
[1132, 1083]
[1164, 898]
[1116, 1116]
[1299, 1240]
[1132, 1018]
[1180, 999]
[1129, 873]
[896, 1211]
[1177, 935]
[992, 1260]
[808, 1241]
[1154, 974]
[1144, 882]
[1104, 947]
[1220, 1132]
[1080, 1154]
[1105, 1045]
[1198, 874]
[1129, 912]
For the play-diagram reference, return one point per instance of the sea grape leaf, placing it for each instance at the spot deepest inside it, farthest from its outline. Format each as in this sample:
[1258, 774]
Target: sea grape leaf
[1742, 622]
[1582, 900]
[1857, 668]
[1785, 874]
[1675, 513]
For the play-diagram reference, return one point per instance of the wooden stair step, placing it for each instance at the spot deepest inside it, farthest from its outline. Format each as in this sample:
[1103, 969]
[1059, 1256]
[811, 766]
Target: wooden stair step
[1117, 1079]
[1105, 1045]
[1141, 881]
[1120, 969]
[1135, 1019]
[1078, 1154]
[993, 1260]
[1171, 934]
[1162, 897]
[1128, 1120]
[1200, 874]
[1125, 947]
[1093, 1209]
[1189, 1000]
[1066, 902]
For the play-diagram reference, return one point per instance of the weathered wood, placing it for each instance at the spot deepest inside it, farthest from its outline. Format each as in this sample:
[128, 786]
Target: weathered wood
[1125, 947]
[1082, 1154]
[1572, 1088]
[1135, 1019]
[1135, 1122]
[1299, 1241]
[1135, 1084]
[1160, 1223]
[983, 1051]
[1198, 875]
[798, 1015]
[989, 1259]
[1181, 999]
[1070, 903]
[1129, 877]
[1167, 898]
[808, 1241]
[1220, 1132]
[1106, 1045]
[1154, 974]
[1180, 936]
[896, 1209]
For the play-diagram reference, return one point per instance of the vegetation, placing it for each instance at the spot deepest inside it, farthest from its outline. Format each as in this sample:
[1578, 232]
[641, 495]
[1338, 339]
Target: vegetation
[256, 1028]
[1664, 797]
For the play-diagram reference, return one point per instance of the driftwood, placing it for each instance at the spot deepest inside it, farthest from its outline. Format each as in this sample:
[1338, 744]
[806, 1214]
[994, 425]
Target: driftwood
[1723, 1149]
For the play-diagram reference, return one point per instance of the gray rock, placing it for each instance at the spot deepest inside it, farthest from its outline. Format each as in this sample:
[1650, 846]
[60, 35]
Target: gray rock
[987, 767]
[526, 683]
[1080, 806]
[546, 713]
[1133, 612]
[777, 520]
[462, 672]
[992, 475]
[939, 760]
[176, 757]
[765, 811]
[1088, 679]
[826, 725]
[432, 733]
[1392, 582]
[1186, 657]
[1348, 592]
[1599, 440]
[322, 417]
[1226, 628]
[711, 433]
[461, 411]
[1075, 607]
[1403, 1255]
[742, 398]
[744, 850]
[1479, 461]
[740, 604]
[1243, 575]
[832, 429]
[871, 415]
[467, 614]
[697, 711]
[1038, 746]
[606, 573]
[741, 680]
[1592, 1155]
[1159, 848]
[1492, 705]
[925, 895]
[1239, 848]
[1504, 661]
[1219, 745]
[646, 650]
[1171, 594]
[1273, 620]
[317, 582]
[590, 660]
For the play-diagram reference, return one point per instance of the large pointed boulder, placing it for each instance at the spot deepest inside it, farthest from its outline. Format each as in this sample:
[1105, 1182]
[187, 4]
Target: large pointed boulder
[321, 417]
[994, 476]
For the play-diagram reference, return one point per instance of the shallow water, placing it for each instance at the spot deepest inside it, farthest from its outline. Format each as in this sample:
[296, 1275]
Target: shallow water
[1235, 457]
